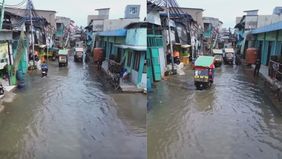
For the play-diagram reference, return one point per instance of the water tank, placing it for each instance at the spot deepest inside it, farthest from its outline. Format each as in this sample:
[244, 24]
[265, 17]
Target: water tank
[251, 56]
[97, 54]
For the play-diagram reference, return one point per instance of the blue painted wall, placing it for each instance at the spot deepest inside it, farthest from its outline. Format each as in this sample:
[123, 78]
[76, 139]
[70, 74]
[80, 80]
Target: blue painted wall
[136, 37]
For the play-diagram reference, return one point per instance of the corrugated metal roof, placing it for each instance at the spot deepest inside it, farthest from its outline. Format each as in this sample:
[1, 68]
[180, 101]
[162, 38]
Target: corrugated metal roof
[118, 32]
[268, 28]
[137, 48]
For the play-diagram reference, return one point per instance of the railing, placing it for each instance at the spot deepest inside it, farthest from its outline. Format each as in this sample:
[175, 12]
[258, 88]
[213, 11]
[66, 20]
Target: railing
[275, 70]
[154, 41]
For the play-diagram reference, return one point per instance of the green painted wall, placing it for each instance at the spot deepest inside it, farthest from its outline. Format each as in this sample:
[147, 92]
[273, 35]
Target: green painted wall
[260, 36]
[271, 36]
[120, 40]
[264, 52]
[280, 35]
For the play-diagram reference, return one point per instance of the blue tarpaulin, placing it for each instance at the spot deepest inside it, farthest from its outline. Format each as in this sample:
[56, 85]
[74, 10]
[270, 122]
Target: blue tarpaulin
[268, 28]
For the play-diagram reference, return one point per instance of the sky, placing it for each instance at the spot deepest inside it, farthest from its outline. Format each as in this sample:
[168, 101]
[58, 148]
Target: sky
[225, 10]
[78, 10]
[228, 10]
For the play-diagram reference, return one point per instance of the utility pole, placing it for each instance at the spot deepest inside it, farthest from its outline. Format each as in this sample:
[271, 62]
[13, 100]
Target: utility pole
[31, 28]
[2, 14]
[169, 37]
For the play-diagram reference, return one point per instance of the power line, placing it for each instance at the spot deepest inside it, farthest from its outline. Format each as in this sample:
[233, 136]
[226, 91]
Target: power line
[16, 5]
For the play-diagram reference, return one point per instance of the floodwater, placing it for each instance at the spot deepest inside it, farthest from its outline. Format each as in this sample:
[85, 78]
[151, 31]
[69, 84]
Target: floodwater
[73, 114]
[233, 119]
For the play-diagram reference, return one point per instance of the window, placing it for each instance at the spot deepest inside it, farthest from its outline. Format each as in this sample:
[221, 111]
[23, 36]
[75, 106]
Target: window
[133, 10]
[129, 58]
[137, 56]
[119, 53]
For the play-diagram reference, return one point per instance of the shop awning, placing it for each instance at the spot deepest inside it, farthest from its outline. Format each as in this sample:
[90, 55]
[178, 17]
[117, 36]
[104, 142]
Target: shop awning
[268, 28]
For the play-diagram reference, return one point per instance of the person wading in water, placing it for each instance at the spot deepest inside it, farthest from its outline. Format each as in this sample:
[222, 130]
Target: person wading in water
[258, 63]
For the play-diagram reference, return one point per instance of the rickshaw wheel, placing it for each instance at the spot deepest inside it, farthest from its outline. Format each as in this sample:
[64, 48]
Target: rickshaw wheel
[199, 86]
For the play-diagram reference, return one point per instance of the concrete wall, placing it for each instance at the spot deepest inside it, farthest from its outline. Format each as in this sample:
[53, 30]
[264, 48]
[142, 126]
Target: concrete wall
[136, 37]
[154, 17]
[264, 20]
[113, 24]
[132, 12]
[6, 35]
[162, 58]
[98, 25]
[197, 15]
[104, 12]
[143, 83]
[64, 20]
[134, 76]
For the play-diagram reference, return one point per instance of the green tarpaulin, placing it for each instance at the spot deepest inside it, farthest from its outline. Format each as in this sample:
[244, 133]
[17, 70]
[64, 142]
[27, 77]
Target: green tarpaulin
[204, 61]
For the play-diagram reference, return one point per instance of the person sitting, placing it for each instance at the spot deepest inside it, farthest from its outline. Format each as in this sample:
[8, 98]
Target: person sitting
[44, 66]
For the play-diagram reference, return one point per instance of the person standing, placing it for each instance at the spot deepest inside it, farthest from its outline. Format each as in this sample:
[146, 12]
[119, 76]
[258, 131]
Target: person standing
[256, 71]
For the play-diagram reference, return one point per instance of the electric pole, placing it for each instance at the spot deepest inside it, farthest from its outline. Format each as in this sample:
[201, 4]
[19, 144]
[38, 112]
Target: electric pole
[169, 37]
[31, 28]
[2, 14]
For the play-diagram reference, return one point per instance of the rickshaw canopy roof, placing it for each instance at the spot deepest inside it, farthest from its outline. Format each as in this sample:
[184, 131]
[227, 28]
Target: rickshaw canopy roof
[231, 50]
[63, 52]
[53, 49]
[204, 61]
[79, 49]
[217, 51]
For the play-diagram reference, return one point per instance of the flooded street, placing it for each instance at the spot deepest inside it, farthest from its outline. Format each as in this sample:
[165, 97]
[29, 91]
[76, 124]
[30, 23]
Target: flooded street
[233, 119]
[73, 114]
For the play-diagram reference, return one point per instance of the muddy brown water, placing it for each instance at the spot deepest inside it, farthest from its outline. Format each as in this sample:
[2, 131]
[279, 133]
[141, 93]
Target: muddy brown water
[234, 119]
[73, 114]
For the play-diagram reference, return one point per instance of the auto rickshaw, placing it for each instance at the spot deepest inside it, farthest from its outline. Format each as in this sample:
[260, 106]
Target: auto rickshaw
[228, 56]
[204, 72]
[78, 54]
[218, 57]
[63, 57]
[52, 53]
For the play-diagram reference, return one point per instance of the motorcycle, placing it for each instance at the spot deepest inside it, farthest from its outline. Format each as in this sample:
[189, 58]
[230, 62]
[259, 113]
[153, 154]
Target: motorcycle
[1, 89]
[44, 70]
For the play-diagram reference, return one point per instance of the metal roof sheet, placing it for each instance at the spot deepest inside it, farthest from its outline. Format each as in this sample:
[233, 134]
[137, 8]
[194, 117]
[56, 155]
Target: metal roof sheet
[204, 61]
[268, 28]
[118, 32]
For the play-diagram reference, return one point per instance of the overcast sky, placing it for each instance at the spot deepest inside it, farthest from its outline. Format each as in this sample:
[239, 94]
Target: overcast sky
[79, 9]
[227, 10]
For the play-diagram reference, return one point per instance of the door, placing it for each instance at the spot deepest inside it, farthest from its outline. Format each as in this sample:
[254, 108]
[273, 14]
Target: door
[269, 52]
[156, 64]
[264, 52]
[149, 67]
